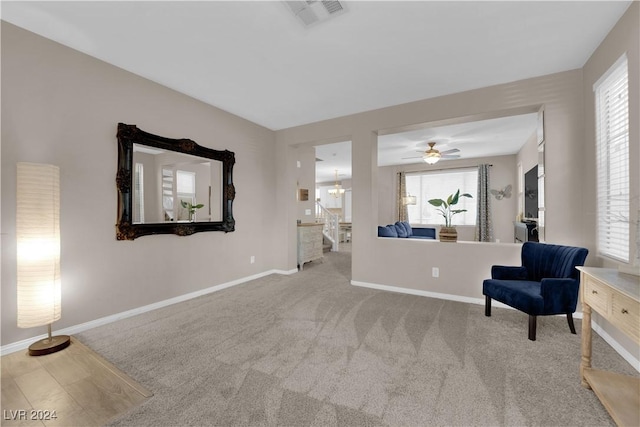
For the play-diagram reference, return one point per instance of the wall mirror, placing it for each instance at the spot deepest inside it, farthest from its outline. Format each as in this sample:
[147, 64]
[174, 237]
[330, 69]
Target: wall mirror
[171, 186]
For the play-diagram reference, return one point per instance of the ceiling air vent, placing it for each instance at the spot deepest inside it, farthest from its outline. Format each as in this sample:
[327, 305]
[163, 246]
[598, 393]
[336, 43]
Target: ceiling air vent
[332, 6]
[313, 11]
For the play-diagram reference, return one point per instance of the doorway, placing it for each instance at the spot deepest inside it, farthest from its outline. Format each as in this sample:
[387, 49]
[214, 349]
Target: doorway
[333, 194]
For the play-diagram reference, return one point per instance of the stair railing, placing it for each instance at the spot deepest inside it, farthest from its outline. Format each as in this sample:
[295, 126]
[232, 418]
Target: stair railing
[331, 225]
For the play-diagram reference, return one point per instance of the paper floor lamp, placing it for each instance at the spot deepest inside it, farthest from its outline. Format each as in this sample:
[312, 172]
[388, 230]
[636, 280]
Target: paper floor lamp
[38, 246]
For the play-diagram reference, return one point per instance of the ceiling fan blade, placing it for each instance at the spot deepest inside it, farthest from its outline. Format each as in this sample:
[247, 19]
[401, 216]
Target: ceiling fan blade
[416, 157]
[450, 156]
[453, 150]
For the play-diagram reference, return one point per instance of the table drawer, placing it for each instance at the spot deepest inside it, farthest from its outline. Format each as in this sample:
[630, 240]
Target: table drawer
[626, 315]
[597, 295]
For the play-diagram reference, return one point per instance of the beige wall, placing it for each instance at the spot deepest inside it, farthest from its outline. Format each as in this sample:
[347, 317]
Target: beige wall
[306, 178]
[624, 38]
[62, 107]
[527, 157]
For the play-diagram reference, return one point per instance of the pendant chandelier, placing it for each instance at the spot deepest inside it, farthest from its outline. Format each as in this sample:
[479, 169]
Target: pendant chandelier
[337, 191]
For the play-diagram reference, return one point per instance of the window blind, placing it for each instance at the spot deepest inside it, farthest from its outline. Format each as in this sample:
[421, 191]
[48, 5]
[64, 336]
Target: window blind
[186, 182]
[612, 162]
[438, 185]
[138, 195]
[167, 194]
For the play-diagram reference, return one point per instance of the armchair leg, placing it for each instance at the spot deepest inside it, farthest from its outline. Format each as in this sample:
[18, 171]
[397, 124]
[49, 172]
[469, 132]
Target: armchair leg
[570, 321]
[532, 327]
[487, 306]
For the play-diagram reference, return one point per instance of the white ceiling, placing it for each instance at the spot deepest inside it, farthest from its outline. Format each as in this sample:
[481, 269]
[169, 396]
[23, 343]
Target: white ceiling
[256, 60]
[484, 138]
[480, 138]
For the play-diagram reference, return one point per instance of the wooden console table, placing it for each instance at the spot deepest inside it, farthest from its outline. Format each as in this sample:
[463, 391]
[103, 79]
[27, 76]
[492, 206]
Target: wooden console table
[616, 297]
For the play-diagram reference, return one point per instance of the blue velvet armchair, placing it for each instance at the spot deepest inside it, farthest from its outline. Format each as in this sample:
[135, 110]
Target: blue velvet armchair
[547, 283]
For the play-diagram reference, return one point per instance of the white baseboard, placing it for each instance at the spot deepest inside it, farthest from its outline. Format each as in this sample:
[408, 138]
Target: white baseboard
[21, 345]
[630, 358]
[285, 272]
[450, 297]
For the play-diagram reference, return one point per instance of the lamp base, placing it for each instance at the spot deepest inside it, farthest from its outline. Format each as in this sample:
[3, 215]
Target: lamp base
[49, 345]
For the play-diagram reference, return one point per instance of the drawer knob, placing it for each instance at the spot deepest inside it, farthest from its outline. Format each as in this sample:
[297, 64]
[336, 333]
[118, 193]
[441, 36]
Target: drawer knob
[594, 292]
[624, 311]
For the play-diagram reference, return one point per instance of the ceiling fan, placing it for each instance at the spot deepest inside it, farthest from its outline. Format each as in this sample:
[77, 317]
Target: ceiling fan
[431, 156]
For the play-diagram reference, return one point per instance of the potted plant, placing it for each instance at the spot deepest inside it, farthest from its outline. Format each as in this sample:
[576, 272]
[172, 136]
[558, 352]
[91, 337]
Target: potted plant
[191, 209]
[448, 233]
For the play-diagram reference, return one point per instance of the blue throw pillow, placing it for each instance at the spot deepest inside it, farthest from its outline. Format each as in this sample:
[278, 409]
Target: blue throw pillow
[408, 227]
[388, 231]
[402, 231]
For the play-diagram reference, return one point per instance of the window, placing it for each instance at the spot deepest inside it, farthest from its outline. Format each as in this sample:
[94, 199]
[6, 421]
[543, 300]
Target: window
[438, 185]
[186, 183]
[177, 186]
[167, 194]
[185, 192]
[612, 161]
[138, 196]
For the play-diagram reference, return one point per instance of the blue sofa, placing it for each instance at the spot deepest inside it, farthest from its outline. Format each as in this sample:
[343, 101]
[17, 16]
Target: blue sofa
[403, 229]
[546, 284]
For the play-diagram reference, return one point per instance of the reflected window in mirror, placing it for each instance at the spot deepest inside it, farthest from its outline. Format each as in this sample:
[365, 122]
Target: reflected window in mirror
[138, 194]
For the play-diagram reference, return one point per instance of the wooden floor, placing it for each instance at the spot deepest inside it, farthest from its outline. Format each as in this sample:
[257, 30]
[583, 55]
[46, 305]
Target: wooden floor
[80, 386]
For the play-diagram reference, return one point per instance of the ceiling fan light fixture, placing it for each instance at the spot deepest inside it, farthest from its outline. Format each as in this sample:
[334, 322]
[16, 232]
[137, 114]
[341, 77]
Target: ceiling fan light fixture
[431, 158]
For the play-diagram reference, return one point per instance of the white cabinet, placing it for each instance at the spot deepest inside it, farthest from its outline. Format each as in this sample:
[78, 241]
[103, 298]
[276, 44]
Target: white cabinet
[309, 243]
[525, 232]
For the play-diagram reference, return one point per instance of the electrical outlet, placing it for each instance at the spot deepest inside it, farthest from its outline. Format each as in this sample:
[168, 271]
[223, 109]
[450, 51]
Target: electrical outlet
[435, 272]
[253, 259]
[307, 211]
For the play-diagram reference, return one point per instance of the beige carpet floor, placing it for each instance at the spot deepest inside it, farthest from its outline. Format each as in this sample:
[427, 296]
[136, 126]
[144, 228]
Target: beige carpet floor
[312, 350]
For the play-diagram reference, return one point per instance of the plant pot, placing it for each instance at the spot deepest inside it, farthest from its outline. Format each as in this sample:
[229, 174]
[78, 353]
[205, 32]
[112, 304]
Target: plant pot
[448, 234]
